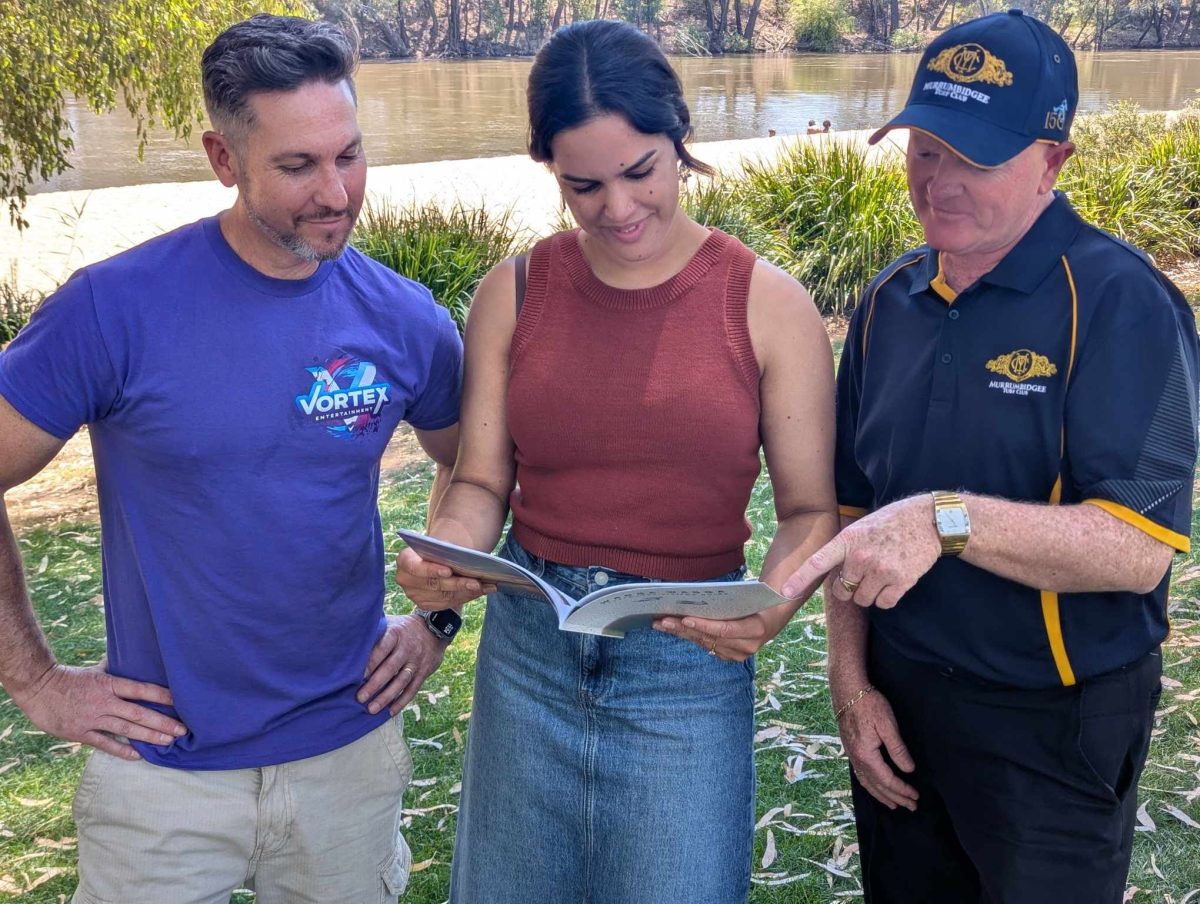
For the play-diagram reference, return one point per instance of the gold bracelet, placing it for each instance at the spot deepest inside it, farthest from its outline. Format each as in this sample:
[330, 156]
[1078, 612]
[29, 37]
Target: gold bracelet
[844, 708]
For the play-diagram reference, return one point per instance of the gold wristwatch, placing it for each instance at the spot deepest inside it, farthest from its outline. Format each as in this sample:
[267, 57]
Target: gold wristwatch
[952, 522]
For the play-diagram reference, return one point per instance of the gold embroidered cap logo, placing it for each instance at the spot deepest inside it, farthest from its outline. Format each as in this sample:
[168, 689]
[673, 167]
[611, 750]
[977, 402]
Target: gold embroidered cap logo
[969, 63]
[1022, 365]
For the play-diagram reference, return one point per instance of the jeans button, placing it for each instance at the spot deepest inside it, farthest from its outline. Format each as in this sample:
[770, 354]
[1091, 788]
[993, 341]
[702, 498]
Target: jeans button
[947, 358]
[953, 315]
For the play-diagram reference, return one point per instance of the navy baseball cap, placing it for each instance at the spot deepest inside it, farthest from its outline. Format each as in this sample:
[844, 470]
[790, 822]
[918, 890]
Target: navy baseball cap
[990, 87]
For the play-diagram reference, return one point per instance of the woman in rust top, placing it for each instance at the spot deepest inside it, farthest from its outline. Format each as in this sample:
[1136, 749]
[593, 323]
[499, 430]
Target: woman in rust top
[618, 408]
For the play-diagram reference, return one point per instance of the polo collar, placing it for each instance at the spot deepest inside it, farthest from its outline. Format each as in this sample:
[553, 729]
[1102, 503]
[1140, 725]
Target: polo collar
[1039, 250]
[1031, 259]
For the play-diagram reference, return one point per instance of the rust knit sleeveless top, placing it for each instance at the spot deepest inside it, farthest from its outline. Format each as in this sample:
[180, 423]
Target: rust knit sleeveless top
[635, 414]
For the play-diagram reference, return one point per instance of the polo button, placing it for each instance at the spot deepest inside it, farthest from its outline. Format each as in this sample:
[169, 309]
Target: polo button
[947, 358]
[601, 578]
[953, 315]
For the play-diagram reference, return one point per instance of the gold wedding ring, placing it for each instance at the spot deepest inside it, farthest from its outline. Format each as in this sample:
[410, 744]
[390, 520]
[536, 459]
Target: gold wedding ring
[850, 586]
[712, 651]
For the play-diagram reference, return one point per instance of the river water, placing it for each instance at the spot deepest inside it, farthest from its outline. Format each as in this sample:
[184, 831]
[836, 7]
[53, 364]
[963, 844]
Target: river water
[445, 110]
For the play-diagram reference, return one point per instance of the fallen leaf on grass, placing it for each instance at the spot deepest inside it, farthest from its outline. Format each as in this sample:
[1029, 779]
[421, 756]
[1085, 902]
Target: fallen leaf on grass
[4, 734]
[47, 873]
[1191, 894]
[1145, 823]
[60, 844]
[423, 865]
[41, 569]
[766, 734]
[769, 850]
[27, 802]
[8, 886]
[1170, 682]
[1181, 816]
[777, 878]
[1154, 867]
[1129, 893]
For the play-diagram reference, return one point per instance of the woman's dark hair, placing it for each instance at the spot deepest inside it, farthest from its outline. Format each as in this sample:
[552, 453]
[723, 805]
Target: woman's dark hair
[594, 68]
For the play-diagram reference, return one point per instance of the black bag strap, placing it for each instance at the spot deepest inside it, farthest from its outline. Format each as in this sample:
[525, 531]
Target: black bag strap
[519, 265]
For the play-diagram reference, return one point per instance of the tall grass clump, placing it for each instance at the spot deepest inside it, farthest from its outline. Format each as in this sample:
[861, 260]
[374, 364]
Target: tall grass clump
[722, 204]
[820, 25]
[16, 307]
[840, 218]
[1137, 175]
[448, 251]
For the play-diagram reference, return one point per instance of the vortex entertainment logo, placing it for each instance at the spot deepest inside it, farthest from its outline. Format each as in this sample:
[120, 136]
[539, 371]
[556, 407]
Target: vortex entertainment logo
[344, 396]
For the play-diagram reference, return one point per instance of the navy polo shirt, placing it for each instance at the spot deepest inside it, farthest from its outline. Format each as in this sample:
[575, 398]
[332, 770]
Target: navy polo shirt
[1068, 374]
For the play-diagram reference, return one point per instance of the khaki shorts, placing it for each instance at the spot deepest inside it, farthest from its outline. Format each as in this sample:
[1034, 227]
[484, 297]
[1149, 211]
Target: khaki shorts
[322, 829]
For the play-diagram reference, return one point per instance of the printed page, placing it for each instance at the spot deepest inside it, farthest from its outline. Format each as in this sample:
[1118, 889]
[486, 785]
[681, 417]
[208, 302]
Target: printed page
[471, 563]
[615, 610]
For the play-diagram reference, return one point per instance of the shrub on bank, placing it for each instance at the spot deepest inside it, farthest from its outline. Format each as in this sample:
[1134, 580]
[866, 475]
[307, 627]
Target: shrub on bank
[1137, 175]
[16, 307]
[449, 251]
[840, 218]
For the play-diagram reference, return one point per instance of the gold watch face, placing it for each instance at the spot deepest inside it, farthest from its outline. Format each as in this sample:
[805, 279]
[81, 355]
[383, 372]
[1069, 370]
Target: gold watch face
[952, 522]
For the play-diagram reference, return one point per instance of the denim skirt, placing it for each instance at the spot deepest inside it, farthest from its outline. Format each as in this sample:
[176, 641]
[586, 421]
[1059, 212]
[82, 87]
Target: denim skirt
[602, 770]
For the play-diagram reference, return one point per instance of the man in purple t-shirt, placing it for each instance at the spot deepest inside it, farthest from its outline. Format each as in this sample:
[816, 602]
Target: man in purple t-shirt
[240, 378]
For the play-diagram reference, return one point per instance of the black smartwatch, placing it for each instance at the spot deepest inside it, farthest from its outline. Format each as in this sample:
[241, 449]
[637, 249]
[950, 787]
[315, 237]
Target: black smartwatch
[444, 623]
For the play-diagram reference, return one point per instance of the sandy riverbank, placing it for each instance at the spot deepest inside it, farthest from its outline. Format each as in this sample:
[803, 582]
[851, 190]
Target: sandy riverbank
[70, 229]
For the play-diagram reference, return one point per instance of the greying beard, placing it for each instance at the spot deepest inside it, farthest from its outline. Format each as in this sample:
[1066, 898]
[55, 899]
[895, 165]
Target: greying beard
[291, 242]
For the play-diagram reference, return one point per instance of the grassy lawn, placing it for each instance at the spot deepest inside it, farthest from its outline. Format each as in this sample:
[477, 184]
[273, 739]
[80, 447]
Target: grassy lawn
[805, 850]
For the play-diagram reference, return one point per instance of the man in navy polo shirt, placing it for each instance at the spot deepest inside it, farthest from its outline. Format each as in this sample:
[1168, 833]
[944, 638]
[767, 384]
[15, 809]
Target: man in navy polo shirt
[1016, 438]
[240, 378]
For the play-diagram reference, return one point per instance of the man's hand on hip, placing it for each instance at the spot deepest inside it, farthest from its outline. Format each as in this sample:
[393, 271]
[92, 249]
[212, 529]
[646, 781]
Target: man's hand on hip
[403, 658]
[878, 558]
[867, 729]
[91, 706]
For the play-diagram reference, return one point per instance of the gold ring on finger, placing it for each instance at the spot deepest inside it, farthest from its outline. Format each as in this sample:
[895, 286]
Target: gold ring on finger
[850, 586]
[712, 651]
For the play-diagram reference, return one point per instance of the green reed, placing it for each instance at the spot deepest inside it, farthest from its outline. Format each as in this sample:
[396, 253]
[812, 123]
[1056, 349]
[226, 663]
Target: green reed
[448, 251]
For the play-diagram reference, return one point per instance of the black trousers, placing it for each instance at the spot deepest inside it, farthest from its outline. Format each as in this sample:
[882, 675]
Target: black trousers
[1025, 796]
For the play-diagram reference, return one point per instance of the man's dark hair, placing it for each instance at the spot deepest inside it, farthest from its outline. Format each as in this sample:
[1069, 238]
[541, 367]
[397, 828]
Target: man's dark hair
[271, 53]
[594, 68]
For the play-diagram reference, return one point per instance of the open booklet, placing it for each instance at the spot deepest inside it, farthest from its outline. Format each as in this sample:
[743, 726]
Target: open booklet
[610, 611]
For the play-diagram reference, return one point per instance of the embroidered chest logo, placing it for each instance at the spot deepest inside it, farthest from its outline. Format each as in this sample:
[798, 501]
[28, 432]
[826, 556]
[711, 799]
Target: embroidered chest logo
[345, 397]
[1019, 366]
[969, 63]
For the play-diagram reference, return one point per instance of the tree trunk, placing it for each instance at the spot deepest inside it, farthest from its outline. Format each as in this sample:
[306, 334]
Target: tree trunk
[557, 19]
[433, 25]
[894, 16]
[737, 16]
[752, 20]
[512, 13]
[454, 27]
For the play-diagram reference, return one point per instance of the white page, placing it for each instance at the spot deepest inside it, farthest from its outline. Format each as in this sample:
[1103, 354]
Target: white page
[508, 576]
[615, 610]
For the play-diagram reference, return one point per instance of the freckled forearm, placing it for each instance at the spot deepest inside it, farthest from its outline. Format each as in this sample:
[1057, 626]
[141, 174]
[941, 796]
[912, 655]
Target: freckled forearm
[24, 652]
[1066, 549]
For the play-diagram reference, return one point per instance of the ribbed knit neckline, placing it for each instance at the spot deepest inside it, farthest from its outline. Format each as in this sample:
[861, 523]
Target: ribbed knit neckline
[602, 293]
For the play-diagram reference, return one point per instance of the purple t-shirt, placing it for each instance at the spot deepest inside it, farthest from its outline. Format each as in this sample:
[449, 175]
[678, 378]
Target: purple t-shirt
[237, 423]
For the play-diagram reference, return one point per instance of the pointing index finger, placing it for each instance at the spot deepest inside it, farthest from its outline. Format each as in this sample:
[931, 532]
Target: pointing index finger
[819, 564]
